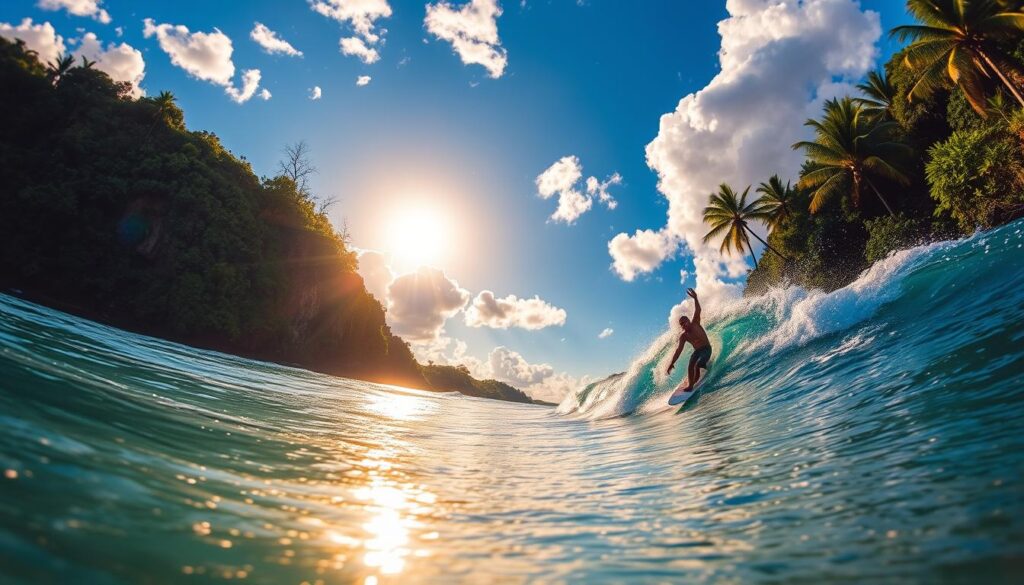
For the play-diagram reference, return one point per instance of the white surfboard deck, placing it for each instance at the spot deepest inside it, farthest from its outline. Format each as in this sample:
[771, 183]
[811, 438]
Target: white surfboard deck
[679, 397]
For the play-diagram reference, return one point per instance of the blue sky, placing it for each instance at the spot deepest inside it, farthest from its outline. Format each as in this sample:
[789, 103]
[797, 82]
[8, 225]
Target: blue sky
[587, 79]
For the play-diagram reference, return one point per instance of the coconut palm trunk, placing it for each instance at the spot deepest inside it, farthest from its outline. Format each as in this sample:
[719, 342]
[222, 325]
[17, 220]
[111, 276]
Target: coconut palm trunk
[766, 244]
[1009, 85]
[749, 247]
[879, 194]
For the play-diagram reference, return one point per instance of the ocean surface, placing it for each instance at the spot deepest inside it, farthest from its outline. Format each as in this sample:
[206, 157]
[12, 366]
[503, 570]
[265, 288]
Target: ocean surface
[874, 434]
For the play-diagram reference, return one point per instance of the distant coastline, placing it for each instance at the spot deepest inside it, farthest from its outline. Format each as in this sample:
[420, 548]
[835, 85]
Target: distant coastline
[113, 210]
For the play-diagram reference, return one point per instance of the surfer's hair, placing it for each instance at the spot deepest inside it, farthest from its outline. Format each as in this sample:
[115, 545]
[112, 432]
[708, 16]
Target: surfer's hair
[684, 320]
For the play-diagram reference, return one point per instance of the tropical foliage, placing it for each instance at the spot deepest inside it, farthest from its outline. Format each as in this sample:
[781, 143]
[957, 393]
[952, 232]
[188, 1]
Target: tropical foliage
[935, 139]
[777, 200]
[959, 41]
[852, 151]
[727, 214]
[879, 94]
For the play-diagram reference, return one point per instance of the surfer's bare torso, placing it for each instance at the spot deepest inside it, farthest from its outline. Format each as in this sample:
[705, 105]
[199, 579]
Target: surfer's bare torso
[696, 335]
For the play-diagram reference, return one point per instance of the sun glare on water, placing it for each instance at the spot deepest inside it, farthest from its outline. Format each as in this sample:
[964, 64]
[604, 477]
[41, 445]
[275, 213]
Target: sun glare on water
[417, 236]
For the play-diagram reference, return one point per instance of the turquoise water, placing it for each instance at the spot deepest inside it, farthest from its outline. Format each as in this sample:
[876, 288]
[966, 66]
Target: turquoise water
[873, 434]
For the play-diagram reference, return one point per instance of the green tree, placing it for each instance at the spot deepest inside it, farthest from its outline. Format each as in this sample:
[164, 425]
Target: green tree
[777, 200]
[958, 41]
[850, 148]
[977, 177]
[727, 214]
[57, 70]
[880, 94]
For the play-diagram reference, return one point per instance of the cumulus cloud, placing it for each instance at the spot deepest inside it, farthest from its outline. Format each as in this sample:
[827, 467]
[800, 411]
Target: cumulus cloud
[511, 311]
[272, 43]
[250, 82]
[315, 93]
[205, 56]
[375, 268]
[561, 179]
[606, 333]
[90, 8]
[779, 61]
[361, 16]
[599, 189]
[539, 381]
[640, 253]
[356, 46]
[472, 31]
[363, 80]
[420, 302]
[41, 38]
[509, 367]
[121, 62]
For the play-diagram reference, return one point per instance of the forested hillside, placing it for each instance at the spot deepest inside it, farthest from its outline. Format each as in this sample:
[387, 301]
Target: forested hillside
[110, 207]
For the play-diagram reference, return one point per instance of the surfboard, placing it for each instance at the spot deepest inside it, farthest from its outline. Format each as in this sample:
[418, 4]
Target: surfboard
[679, 397]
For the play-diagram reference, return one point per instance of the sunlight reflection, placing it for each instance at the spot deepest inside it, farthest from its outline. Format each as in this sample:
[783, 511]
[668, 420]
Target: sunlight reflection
[392, 511]
[399, 406]
[387, 546]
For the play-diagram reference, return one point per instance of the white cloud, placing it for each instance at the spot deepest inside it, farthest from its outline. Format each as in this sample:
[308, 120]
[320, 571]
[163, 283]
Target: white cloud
[683, 276]
[356, 46]
[375, 268]
[606, 333]
[420, 302]
[265, 94]
[473, 32]
[361, 15]
[779, 60]
[511, 368]
[90, 8]
[121, 62]
[511, 311]
[119, 31]
[41, 38]
[205, 56]
[600, 189]
[272, 43]
[315, 93]
[561, 179]
[250, 82]
[363, 80]
[640, 253]
[539, 381]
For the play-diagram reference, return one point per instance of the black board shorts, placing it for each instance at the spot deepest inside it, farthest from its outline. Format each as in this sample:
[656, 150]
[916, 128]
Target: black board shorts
[701, 356]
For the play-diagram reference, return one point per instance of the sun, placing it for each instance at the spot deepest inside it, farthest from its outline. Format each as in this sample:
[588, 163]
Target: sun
[417, 235]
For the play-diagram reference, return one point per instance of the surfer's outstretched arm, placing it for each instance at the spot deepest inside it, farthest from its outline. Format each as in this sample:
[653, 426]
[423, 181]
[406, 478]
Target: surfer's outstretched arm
[675, 356]
[696, 305]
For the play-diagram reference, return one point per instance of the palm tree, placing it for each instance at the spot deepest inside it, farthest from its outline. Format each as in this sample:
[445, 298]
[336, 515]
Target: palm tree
[849, 148]
[777, 200]
[728, 214]
[56, 70]
[879, 94]
[163, 102]
[87, 64]
[957, 40]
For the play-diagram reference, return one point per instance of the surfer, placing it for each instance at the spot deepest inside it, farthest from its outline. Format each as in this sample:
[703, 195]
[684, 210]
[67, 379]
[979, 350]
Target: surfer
[698, 338]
